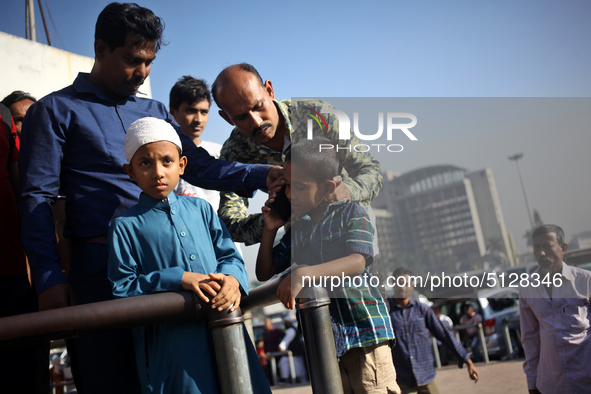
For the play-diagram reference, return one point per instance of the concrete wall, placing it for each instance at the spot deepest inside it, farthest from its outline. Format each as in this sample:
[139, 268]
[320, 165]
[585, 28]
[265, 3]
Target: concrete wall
[40, 69]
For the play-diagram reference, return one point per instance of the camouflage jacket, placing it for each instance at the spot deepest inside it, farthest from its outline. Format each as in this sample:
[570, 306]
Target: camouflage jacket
[361, 172]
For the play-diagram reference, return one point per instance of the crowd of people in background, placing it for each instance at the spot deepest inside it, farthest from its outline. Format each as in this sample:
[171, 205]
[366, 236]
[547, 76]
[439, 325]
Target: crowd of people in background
[98, 202]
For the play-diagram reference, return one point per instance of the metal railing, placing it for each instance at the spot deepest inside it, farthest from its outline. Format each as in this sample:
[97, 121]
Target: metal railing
[457, 330]
[507, 335]
[480, 334]
[226, 329]
[436, 352]
[273, 356]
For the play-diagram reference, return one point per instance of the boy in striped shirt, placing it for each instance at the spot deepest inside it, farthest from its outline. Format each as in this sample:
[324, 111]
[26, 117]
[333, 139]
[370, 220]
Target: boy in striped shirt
[331, 240]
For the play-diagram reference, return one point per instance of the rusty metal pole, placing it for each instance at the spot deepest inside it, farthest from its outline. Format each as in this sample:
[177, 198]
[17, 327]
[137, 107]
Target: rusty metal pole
[319, 343]
[78, 320]
[230, 351]
[75, 321]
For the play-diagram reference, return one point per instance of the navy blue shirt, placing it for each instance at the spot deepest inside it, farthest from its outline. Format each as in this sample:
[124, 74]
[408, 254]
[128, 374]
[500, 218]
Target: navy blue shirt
[413, 353]
[73, 144]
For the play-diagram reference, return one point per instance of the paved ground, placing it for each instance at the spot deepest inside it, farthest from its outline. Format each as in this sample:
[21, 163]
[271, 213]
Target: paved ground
[496, 377]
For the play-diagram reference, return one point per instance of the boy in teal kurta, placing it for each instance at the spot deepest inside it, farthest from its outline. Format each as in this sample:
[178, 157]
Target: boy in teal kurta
[168, 243]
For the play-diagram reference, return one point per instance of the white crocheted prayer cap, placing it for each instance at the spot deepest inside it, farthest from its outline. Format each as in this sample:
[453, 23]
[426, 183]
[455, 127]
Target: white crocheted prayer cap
[146, 130]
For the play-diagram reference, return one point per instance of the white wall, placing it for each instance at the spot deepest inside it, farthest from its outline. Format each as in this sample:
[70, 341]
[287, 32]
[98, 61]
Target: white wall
[40, 69]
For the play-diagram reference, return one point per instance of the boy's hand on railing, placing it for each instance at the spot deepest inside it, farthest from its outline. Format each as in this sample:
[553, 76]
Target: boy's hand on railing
[229, 294]
[200, 283]
[284, 292]
[290, 287]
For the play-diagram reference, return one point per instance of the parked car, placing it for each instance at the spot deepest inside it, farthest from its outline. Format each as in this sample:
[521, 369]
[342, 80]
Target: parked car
[493, 305]
[578, 257]
[585, 266]
[462, 284]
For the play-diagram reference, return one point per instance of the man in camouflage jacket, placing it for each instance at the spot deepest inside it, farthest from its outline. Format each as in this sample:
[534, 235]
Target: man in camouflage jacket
[264, 128]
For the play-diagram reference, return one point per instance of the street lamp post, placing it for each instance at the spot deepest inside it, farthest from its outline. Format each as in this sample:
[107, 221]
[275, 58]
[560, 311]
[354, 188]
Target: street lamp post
[516, 158]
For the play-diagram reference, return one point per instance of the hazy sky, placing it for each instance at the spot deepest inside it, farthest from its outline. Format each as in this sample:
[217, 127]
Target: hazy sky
[475, 133]
[398, 49]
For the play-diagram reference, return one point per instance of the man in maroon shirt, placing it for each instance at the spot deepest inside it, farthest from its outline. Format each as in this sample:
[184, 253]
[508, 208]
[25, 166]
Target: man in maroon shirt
[24, 369]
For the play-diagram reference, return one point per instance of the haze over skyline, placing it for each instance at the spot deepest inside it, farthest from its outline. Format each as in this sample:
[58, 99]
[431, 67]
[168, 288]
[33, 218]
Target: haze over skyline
[505, 49]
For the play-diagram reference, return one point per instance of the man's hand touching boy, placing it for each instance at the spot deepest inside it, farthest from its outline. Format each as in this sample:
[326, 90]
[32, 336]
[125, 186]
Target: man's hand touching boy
[275, 177]
[229, 294]
[341, 192]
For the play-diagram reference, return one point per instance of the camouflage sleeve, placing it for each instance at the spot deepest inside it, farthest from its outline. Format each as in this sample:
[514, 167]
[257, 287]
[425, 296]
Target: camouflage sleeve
[233, 208]
[361, 172]
[242, 226]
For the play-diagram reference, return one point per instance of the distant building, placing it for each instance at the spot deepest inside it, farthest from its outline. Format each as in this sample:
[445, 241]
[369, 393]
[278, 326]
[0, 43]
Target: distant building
[580, 241]
[445, 209]
[385, 228]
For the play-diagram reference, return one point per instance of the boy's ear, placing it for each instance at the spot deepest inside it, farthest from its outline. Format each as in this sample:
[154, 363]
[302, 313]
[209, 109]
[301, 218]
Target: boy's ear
[173, 113]
[182, 164]
[329, 186]
[129, 171]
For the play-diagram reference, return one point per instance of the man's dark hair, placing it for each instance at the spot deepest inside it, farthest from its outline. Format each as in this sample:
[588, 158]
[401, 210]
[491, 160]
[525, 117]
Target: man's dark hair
[401, 271]
[319, 165]
[550, 228]
[188, 89]
[16, 96]
[117, 20]
[220, 78]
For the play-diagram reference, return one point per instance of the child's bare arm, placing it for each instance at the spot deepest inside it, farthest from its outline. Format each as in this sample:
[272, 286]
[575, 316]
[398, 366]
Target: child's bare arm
[289, 288]
[229, 293]
[350, 265]
[264, 265]
[200, 283]
[284, 293]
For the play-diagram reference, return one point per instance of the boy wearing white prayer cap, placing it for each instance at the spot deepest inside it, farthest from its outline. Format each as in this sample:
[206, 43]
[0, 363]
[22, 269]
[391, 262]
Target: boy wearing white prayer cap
[169, 243]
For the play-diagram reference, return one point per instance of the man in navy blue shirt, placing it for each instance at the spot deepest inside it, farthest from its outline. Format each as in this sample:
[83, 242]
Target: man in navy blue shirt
[73, 145]
[413, 354]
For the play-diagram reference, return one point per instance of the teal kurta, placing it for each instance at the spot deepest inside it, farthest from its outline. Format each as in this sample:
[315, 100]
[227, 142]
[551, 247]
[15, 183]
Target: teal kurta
[151, 245]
